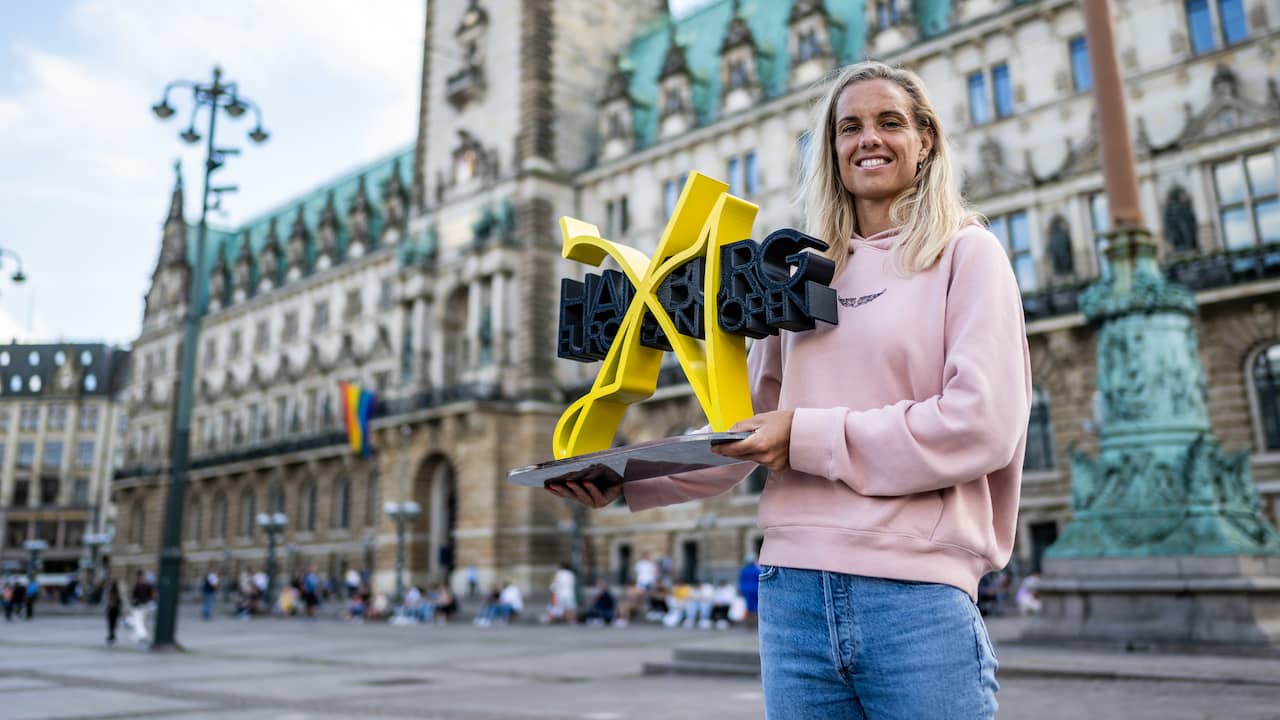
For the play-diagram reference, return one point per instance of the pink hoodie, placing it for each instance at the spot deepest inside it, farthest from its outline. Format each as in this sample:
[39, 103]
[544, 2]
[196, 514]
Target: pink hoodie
[910, 421]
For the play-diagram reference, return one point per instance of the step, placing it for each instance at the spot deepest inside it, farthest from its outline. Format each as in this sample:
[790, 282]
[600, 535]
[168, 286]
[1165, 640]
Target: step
[745, 658]
[701, 669]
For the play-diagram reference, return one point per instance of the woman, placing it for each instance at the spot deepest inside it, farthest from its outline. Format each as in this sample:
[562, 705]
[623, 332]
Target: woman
[894, 439]
[115, 605]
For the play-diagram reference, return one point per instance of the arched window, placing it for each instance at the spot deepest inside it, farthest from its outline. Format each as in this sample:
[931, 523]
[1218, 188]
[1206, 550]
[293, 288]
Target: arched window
[1266, 388]
[248, 512]
[342, 503]
[372, 499]
[1039, 434]
[307, 507]
[219, 517]
[195, 526]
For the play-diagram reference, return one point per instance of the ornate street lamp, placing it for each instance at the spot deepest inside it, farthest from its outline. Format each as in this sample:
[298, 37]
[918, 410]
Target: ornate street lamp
[272, 524]
[93, 541]
[402, 513]
[18, 276]
[34, 548]
[214, 95]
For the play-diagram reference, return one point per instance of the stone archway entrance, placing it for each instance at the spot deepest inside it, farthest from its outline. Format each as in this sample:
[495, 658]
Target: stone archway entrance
[435, 489]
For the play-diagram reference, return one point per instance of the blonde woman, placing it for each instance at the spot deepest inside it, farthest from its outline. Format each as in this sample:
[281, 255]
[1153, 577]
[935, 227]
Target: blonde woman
[894, 439]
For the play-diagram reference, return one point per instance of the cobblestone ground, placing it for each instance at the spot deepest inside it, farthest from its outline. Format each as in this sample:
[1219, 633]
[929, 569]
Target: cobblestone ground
[58, 667]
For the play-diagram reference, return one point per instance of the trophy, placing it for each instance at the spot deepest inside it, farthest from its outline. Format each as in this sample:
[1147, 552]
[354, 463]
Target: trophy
[704, 292]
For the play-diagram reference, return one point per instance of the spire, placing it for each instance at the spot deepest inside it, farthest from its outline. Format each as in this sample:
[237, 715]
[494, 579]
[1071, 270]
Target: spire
[175, 201]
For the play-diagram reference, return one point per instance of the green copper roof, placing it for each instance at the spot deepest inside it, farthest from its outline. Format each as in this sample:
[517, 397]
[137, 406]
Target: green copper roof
[933, 17]
[701, 33]
[376, 174]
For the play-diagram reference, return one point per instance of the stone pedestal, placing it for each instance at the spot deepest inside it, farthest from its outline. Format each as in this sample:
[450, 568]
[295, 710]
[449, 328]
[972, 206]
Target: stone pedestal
[1167, 602]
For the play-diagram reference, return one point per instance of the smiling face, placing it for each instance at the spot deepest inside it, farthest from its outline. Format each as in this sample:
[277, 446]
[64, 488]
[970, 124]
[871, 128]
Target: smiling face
[878, 145]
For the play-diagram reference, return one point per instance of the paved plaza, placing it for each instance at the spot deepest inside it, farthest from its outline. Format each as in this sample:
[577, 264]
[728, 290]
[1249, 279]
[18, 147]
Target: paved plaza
[58, 667]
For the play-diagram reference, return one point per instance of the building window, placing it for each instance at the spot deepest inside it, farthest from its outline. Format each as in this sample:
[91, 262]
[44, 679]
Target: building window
[26, 455]
[52, 455]
[744, 180]
[57, 417]
[29, 417]
[979, 105]
[1004, 90]
[617, 217]
[1014, 233]
[260, 338]
[808, 45]
[89, 418]
[196, 528]
[290, 332]
[49, 488]
[1081, 73]
[21, 494]
[4, 419]
[1230, 18]
[84, 454]
[320, 316]
[1234, 26]
[307, 507]
[1200, 25]
[671, 194]
[342, 504]
[385, 294]
[1266, 387]
[887, 14]
[137, 522]
[248, 512]
[236, 345]
[210, 351]
[1248, 204]
[1039, 454]
[354, 305]
[80, 492]
[219, 528]
[372, 500]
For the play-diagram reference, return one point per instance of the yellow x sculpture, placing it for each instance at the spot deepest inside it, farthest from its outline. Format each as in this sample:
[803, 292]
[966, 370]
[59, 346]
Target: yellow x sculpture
[706, 218]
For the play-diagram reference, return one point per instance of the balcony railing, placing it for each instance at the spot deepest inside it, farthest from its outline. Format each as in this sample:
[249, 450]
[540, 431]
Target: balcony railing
[1231, 267]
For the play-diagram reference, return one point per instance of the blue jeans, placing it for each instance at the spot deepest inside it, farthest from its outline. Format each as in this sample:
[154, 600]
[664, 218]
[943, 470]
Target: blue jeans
[848, 647]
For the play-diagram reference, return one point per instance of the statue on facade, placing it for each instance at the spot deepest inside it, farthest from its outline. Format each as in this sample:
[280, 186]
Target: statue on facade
[1060, 247]
[1180, 220]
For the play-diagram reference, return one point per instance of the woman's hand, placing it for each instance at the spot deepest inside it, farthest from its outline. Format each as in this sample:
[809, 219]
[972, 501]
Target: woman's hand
[769, 444]
[594, 487]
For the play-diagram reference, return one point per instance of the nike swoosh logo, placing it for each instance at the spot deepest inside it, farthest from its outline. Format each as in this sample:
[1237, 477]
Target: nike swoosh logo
[860, 300]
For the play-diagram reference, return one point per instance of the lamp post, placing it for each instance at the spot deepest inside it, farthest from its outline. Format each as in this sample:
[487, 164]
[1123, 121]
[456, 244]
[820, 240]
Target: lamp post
[93, 541]
[402, 513]
[34, 548]
[214, 96]
[272, 524]
[18, 276]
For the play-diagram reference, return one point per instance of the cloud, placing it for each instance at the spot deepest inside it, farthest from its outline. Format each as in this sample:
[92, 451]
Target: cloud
[88, 168]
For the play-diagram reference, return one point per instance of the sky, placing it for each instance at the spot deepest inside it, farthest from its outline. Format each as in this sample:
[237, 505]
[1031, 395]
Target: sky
[86, 169]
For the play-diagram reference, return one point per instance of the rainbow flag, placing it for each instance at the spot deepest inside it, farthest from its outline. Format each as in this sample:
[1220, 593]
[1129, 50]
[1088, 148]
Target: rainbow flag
[357, 404]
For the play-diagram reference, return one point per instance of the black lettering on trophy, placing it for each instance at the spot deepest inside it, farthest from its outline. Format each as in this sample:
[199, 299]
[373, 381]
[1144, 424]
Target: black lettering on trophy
[775, 285]
[765, 287]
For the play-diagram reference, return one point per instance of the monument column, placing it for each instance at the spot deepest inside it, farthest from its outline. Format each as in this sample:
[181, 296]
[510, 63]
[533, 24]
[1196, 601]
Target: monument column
[1168, 544]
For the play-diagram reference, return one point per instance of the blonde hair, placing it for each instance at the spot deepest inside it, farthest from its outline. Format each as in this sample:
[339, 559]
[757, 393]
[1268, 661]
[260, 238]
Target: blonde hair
[929, 212]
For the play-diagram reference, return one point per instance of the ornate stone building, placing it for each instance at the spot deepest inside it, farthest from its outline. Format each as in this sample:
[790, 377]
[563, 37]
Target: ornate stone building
[61, 433]
[432, 275]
